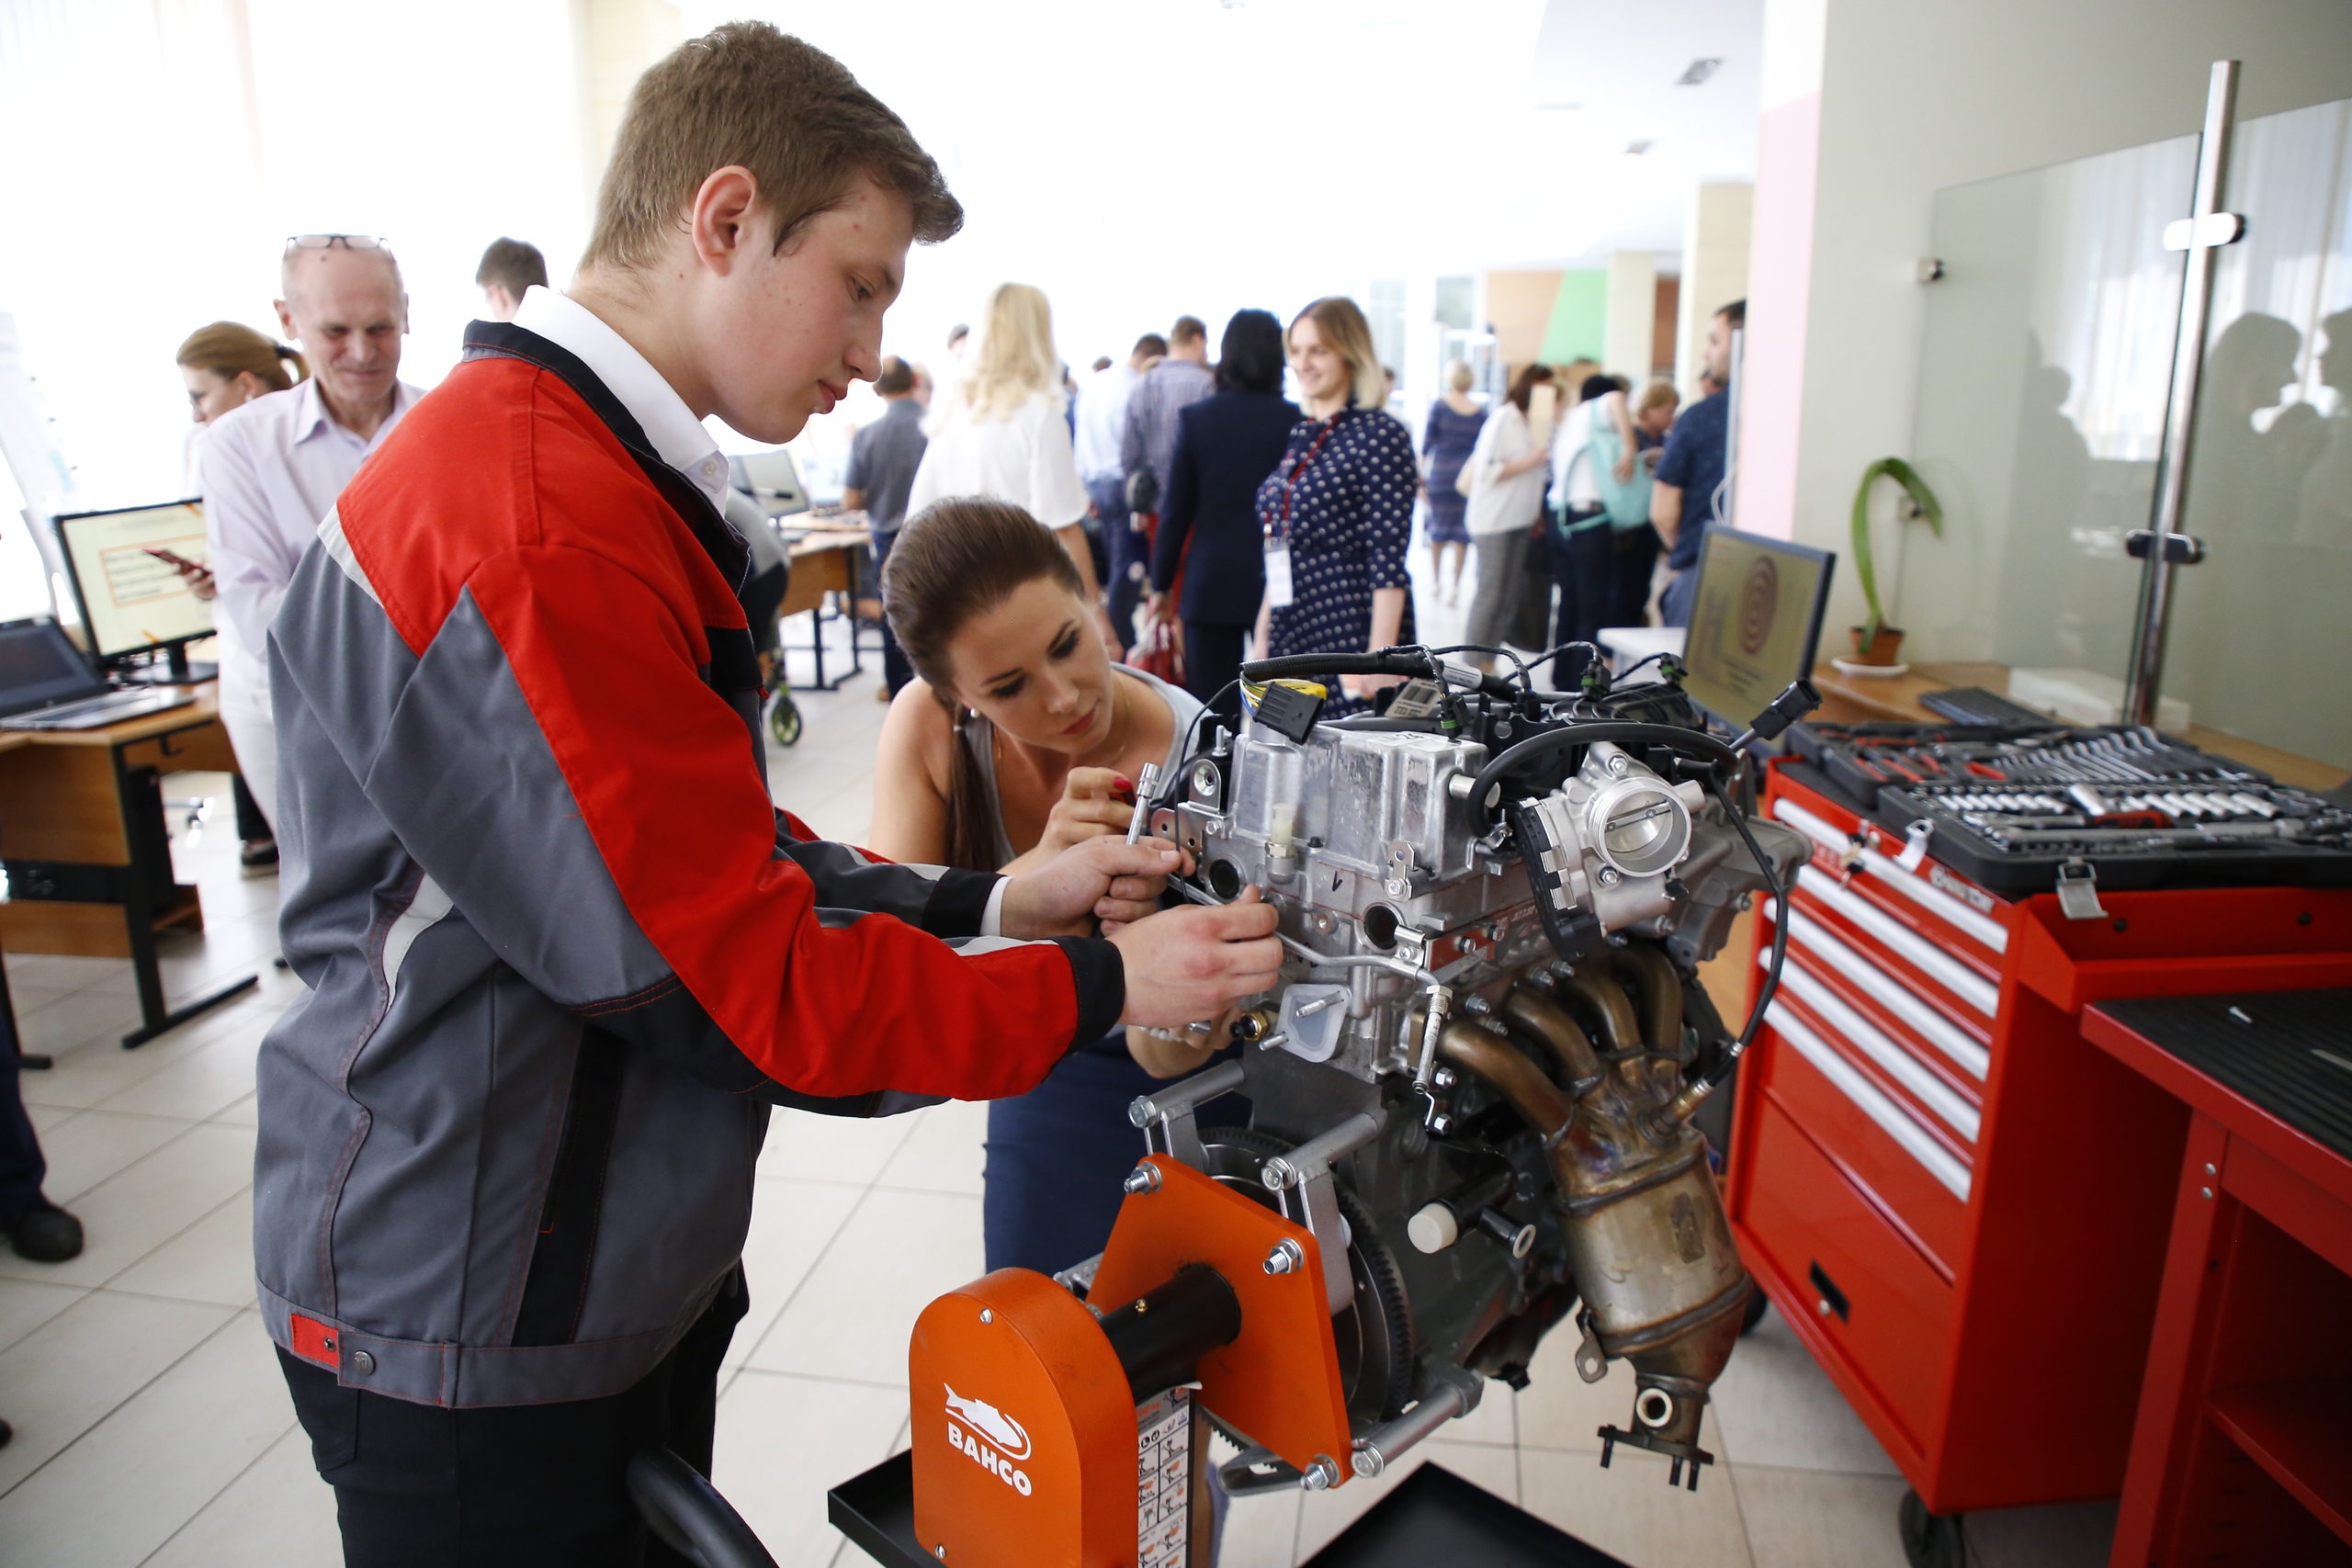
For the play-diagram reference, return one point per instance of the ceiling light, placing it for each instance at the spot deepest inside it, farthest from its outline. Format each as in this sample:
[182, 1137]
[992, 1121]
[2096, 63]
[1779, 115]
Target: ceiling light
[1562, 104]
[1697, 72]
[1635, 149]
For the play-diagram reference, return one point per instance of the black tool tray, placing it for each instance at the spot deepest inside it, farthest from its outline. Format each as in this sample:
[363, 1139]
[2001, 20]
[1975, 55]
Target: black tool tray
[1432, 1516]
[2010, 805]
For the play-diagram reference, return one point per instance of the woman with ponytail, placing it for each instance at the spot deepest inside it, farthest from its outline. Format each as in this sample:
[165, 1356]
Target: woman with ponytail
[1018, 739]
[227, 365]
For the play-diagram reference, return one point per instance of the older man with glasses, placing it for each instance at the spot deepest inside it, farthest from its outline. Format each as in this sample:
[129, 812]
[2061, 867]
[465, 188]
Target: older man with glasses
[272, 469]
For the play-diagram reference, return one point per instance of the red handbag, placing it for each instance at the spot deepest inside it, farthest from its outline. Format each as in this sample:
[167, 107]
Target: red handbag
[1160, 651]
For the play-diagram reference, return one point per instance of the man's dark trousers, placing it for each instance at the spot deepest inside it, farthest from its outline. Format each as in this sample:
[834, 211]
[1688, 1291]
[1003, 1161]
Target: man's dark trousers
[895, 668]
[511, 1486]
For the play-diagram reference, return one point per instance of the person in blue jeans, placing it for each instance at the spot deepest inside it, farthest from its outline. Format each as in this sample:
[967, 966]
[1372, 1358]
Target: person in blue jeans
[1683, 501]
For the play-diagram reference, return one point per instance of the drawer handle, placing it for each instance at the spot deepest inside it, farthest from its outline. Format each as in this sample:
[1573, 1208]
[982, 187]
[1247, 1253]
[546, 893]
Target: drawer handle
[1832, 1298]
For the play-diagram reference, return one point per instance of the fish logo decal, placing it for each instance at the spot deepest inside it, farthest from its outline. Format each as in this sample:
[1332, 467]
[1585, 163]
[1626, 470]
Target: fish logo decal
[990, 1422]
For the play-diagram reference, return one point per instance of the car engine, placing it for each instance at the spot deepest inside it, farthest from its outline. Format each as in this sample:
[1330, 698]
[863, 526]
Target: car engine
[1479, 1082]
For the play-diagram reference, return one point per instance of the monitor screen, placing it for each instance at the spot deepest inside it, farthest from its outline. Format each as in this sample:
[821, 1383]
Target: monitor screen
[39, 665]
[131, 600]
[1754, 623]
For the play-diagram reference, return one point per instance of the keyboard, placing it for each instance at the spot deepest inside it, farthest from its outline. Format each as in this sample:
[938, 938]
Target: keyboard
[95, 713]
[1974, 705]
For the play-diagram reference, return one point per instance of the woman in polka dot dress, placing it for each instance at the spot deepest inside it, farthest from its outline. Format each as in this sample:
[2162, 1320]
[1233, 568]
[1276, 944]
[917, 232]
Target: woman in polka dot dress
[1337, 512]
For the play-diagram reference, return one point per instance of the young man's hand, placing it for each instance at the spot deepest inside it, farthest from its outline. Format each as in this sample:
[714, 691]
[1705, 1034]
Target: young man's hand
[1193, 963]
[1104, 878]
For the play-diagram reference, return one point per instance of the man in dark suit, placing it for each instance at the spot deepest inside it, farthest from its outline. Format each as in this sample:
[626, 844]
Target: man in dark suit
[1225, 446]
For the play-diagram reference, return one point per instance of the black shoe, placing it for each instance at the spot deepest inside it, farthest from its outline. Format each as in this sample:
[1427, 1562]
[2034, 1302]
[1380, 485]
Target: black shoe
[46, 1235]
[7, 1432]
[258, 857]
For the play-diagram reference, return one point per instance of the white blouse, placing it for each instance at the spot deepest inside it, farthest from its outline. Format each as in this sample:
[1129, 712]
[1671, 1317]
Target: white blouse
[1025, 460]
[1503, 506]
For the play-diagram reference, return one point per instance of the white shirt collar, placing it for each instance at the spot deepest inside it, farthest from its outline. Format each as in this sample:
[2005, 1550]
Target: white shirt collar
[311, 414]
[678, 437]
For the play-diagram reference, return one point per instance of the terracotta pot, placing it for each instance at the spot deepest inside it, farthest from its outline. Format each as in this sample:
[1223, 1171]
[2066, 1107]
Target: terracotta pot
[1882, 649]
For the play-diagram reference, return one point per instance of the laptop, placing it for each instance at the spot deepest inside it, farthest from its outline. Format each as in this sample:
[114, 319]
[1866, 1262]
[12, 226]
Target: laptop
[45, 683]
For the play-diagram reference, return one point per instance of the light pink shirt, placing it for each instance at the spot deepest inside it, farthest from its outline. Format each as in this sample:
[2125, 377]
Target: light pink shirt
[271, 469]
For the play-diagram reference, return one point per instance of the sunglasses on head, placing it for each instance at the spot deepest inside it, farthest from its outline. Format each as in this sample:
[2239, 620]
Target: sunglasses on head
[328, 242]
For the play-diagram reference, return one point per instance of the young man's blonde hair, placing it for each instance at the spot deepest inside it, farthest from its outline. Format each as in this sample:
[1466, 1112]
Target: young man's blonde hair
[745, 94]
[1016, 359]
[1349, 336]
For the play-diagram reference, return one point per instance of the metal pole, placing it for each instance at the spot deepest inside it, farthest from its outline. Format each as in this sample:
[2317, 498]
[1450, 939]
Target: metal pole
[2206, 230]
[1730, 429]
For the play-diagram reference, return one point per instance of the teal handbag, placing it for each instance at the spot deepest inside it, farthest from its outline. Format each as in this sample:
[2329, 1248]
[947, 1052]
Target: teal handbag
[1627, 504]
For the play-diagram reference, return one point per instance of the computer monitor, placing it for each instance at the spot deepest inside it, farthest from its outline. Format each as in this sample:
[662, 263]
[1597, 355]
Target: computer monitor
[1755, 622]
[131, 600]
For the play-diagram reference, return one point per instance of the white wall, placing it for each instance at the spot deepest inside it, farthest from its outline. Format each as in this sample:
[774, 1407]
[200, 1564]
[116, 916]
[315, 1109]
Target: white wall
[1915, 97]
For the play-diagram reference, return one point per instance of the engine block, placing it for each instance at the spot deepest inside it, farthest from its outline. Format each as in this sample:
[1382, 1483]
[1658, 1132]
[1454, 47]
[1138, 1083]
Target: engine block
[1476, 1083]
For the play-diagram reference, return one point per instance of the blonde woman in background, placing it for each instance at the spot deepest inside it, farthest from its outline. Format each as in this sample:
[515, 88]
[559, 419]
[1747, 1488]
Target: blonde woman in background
[1000, 433]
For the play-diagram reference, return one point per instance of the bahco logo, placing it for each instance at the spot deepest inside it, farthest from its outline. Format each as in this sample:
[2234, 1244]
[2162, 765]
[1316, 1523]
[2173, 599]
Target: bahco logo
[989, 1438]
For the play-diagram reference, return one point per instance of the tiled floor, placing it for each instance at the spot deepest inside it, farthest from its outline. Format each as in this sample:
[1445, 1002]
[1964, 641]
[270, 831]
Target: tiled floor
[152, 1427]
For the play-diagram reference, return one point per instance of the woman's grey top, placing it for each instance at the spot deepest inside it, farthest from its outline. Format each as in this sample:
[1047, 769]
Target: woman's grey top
[980, 735]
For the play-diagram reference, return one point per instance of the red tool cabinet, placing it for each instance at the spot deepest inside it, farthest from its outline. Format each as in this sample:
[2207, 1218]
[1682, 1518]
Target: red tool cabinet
[1958, 1204]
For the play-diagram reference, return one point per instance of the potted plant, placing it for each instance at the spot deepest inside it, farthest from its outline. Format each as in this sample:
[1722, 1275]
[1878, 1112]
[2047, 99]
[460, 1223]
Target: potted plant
[1875, 642]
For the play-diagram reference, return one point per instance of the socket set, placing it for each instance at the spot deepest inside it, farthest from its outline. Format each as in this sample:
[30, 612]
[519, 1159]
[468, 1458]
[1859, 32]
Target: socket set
[2008, 807]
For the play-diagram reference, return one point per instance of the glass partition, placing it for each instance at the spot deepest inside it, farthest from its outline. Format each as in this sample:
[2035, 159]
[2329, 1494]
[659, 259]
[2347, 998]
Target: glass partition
[2044, 370]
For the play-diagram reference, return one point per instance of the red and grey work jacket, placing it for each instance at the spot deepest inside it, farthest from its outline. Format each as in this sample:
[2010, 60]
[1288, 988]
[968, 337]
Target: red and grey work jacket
[563, 952]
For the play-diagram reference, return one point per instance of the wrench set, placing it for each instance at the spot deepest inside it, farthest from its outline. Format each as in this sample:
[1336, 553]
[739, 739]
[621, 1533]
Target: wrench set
[2008, 806]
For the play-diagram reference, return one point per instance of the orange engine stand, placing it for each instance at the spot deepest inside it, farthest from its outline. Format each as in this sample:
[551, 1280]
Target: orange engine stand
[1040, 1441]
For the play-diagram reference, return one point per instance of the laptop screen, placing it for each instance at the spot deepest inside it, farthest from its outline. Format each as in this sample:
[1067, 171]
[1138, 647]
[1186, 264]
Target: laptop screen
[40, 665]
[1755, 622]
[132, 600]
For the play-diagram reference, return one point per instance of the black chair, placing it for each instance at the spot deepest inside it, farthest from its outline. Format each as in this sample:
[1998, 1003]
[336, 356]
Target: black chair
[687, 1512]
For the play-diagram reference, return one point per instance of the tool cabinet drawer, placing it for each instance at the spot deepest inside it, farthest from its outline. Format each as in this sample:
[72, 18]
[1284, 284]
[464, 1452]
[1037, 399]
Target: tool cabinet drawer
[1948, 912]
[1916, 1174]
[1877, 1302]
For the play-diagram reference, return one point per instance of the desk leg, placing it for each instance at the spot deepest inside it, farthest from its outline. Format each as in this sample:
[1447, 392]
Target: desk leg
[139, 918]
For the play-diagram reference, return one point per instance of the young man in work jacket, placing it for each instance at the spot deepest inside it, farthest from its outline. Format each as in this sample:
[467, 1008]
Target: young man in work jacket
[562, 953]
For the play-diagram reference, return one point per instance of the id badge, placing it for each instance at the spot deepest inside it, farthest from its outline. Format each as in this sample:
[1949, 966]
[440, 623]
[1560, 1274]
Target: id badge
[1278, 592]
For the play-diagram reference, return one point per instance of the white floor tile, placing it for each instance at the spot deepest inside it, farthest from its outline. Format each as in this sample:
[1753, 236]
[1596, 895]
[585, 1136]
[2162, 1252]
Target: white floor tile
[1260, 1532]
[28, 999]
[1777, 1407]
[1815, 1518]
[187, 1436]
[791, 1224]
[279, 1512]
[44, 1117]
[62, 972]
[96, 1144]
[212, 1261]
[1323, 1514]
[852, 1318]
[60, 1379]
[25, 1305]
[832, 1148]
[245, 1113]
[208, 1079]
[1629, 1511]
[784, 1441]
[78, 1018]
[943, 1153]
[99, 1067]
[128, 1216]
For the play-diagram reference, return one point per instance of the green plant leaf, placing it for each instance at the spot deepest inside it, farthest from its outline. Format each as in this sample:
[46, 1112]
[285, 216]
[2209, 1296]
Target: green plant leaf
[1931, 512]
